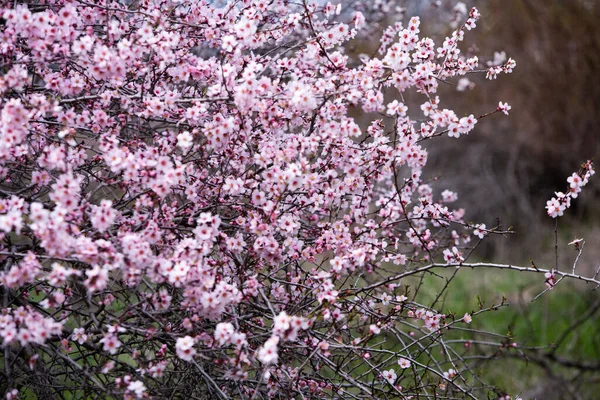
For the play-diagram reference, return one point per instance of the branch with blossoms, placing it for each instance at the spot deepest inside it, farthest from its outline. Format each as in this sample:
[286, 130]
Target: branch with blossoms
[187, 206]
[556, 206]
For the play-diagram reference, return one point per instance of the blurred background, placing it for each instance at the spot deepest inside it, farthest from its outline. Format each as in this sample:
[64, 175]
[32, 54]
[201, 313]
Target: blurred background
[506, 170]
[511, 165]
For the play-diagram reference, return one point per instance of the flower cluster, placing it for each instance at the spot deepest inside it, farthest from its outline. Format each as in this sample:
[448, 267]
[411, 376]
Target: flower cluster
[556, 206]
[433, 321]
[185, 348]
[225, 334]
[27, 326]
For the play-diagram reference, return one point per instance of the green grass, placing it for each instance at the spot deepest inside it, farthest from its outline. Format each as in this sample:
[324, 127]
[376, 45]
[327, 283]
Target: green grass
[538, 323]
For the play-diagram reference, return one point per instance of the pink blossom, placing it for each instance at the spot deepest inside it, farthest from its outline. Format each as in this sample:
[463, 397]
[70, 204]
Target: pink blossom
[374, 329]
[185, 140]
[504, 107]
[450, 374]
[390, 376]
[404, 363]
[103, 216]
[480, 231]
[138, 388]
[224, 332]
[110, 343]
[550, 280]
[79, 335]
[268, 353]
[185, 348]
[453, 255]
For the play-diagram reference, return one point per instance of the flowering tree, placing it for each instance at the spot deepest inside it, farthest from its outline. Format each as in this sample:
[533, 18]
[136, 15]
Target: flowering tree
[188, 208]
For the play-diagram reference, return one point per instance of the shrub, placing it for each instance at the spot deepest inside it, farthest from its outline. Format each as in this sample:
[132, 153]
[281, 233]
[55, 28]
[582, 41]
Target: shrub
[188, 207]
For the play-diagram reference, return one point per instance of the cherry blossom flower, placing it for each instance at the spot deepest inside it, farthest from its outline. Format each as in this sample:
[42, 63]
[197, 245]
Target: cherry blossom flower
[464, 84]
[550, 280]
[577, 243]
[467, 318]
[229, 43]
[110, 343]
[504, 107]
[403, 363]
[390, 376]
[450, 374]
[138, 388]
[555, 208]
[480, 231]
[185, 140]
[103, 216]
[448, 196]
[374, 329]
[268, 353]
[223, 333]
[185, 348]
[79, 335]
[453, 255]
